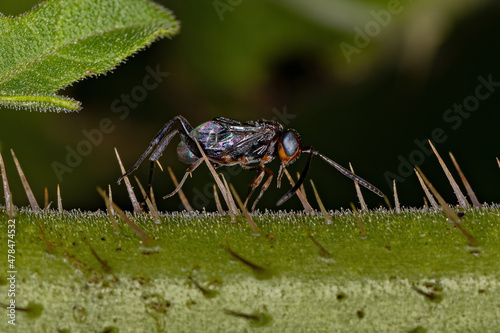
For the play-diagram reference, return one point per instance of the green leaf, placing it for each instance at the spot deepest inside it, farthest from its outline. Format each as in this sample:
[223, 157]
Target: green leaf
[64, 41]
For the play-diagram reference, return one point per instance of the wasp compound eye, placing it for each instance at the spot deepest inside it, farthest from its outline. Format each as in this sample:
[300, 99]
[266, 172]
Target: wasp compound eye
[290, 143]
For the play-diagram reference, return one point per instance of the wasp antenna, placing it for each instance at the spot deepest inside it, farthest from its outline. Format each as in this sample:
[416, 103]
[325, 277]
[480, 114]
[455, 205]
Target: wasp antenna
[297, 185]
[347, 173]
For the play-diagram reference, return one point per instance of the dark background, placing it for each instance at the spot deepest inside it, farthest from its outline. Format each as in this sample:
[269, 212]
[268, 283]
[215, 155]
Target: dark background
[266, 56]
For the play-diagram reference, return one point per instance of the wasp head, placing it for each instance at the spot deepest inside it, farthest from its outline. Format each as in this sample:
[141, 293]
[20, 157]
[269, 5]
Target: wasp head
[289, 150]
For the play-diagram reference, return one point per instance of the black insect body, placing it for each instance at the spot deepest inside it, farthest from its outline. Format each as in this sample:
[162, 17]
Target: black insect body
[228, 142]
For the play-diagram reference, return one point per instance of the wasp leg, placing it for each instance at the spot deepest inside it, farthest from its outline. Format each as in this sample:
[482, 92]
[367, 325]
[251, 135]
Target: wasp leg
[188, 173]
[256, 182]
[264, 187]
[160, 143]
[156, 155]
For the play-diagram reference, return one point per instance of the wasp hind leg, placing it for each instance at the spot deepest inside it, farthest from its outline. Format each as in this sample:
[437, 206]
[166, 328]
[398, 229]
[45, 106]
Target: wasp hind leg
[158, 145]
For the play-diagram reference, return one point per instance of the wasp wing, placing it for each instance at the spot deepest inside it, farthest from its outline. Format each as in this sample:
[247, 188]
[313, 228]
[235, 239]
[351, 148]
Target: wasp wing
[224, 136]
[228, 121]
[253, 140]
